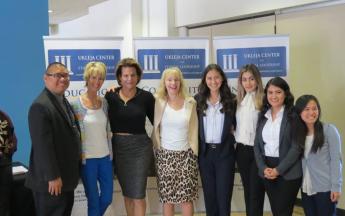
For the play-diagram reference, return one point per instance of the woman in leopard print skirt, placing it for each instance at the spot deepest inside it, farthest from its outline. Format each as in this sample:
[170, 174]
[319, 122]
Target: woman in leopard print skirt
[175, 138]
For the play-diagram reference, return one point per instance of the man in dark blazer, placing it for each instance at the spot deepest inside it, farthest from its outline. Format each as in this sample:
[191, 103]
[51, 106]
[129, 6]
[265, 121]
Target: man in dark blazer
[55, 153]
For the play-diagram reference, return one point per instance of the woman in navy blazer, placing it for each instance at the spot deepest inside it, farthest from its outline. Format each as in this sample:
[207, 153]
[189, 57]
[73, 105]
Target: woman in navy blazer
[276, 154]
[216, 113]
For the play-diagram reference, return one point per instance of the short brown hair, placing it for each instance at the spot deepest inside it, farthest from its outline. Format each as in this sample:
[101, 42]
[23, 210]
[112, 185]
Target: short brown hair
[128, 62]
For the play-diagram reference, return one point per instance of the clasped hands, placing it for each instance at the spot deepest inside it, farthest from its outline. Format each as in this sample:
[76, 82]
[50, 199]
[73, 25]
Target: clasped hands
[271, 173]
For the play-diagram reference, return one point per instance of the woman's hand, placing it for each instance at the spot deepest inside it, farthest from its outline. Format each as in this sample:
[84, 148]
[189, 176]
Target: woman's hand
[335, 196]
[111, 88]
[271, 173]
[267, 172]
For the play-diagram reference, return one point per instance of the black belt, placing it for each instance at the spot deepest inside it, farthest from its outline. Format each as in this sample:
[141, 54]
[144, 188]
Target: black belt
[212, 145]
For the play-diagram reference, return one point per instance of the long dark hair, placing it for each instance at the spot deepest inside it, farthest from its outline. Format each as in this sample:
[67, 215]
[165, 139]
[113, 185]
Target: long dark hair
[289, 98]
[302, 130]
[226, 97]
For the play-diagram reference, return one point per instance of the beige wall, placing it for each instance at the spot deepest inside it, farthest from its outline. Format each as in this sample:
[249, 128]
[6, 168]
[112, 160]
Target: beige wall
[317, 55]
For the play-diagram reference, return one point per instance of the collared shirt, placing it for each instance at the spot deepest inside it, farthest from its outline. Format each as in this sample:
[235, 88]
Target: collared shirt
[246, 118]
[213, 123]
[271, 132]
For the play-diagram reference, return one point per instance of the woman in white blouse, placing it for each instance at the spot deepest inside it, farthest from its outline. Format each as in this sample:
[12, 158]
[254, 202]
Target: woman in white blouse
[249, 103]
[175, 139]
[277, 155]
[216, 114]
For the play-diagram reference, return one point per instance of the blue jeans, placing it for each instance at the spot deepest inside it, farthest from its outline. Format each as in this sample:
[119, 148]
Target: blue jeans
[319, 204]
[98, 170]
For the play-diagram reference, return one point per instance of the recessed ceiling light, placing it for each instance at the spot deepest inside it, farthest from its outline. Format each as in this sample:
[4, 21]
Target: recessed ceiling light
[50, 11]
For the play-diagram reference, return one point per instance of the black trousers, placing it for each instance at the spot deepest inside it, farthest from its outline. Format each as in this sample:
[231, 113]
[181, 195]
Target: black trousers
[48, 205]
[6, 180]
[253, 187]
[281, 193]
[217, 176]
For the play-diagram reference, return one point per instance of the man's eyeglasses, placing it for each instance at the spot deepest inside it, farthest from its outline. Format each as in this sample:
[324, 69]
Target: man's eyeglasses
[58, 75]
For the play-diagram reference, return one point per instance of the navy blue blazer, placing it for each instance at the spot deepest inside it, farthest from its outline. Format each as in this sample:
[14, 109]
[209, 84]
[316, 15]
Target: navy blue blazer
[289, 166]
[228, 139]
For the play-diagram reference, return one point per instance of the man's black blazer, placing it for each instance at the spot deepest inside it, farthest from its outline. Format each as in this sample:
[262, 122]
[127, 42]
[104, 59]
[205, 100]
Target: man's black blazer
[56, 146]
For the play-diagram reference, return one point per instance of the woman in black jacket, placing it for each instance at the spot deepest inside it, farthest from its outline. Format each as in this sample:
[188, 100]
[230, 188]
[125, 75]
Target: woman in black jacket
[277, 155]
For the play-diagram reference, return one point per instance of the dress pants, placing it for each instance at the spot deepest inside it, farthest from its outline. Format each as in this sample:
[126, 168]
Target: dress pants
[6, 180]
[49, 205]
[217, 176]
[254, 191]
[319, 204]
[281, 193]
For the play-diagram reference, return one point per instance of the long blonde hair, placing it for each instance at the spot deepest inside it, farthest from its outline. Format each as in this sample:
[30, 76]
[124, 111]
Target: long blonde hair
[259, 92]
[162, 91]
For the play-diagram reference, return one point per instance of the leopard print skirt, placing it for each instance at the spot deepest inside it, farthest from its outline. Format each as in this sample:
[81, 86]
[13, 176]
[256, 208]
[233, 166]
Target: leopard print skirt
[177, 175]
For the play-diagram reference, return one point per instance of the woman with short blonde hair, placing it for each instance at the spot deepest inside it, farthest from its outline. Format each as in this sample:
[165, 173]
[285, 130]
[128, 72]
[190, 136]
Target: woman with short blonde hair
[92, 114]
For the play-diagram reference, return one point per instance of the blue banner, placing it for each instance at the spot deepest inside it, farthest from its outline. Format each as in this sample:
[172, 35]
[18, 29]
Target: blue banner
[271, 61]
[76, 59]
[155, 61]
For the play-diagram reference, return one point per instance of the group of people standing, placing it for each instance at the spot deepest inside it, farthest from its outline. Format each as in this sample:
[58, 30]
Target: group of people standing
[279, 147]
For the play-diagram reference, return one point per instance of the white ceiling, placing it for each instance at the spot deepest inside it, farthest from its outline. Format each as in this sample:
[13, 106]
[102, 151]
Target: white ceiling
[65, 10]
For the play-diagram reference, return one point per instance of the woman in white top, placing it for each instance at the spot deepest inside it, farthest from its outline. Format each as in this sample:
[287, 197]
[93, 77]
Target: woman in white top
[249, 103]
[92, 113]
[277, 155]
[216, 113]
[322, 160]
[175, 139]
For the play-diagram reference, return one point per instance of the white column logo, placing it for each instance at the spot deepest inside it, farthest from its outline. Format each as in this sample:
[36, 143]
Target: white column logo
[230, 63]
[66, 60]
[151, 64]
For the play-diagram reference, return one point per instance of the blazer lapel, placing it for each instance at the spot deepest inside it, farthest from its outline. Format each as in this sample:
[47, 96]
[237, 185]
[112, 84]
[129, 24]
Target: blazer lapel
[159, 112]
[201, 127]
[189, 106]
[282, 128]
[58, 107]
[226, 126]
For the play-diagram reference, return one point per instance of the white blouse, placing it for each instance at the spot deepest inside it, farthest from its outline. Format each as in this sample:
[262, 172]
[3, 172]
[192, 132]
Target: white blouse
[96, 141]
[307, 185]
[213, 123]
[246, 119]
[271, 132]
[174, 129]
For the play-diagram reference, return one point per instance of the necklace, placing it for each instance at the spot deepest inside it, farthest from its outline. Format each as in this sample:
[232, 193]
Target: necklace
[126, 97]
[93, 104]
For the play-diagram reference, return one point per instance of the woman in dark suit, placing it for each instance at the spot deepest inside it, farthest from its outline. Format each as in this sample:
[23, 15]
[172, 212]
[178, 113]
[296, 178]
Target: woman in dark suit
[276, 154]
[216, 114]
